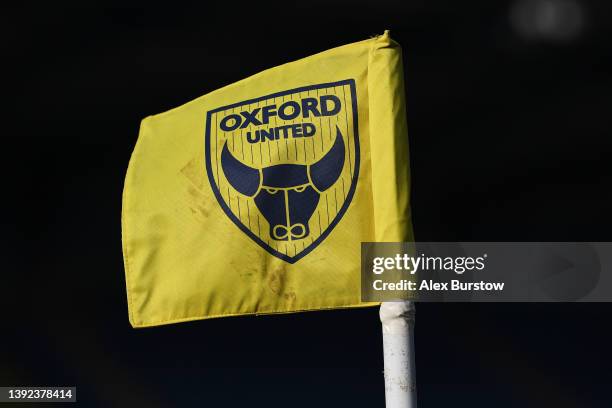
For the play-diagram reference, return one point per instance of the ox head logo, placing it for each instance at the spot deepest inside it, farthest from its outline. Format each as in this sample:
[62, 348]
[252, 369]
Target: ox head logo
[286, 194]
[284, 167]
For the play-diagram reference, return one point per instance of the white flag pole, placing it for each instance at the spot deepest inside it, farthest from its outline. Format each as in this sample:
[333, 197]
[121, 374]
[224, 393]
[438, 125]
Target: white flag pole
[397, 320]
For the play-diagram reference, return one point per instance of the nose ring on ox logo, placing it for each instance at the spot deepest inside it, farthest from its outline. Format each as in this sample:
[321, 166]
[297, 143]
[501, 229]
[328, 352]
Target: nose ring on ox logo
[286, 231]
[284, 194]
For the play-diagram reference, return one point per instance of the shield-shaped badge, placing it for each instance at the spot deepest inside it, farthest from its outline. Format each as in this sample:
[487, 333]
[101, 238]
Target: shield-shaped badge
[284, 166]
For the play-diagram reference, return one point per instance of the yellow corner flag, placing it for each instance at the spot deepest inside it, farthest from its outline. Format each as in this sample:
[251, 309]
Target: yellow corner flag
[255, 198]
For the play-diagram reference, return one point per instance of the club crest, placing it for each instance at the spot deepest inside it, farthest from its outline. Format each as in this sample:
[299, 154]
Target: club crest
[284, 166]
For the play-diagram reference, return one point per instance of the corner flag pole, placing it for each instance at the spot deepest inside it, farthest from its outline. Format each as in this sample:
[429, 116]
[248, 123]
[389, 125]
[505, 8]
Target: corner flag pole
[397, 320]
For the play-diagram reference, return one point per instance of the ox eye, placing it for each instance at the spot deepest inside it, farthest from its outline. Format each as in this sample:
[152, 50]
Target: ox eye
[300, 189]
[271, 190]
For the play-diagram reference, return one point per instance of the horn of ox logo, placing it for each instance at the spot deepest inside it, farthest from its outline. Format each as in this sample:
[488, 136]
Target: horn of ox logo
[286, 194]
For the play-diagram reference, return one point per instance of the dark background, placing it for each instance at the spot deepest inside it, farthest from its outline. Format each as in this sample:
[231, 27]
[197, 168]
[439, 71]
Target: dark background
[509, 119]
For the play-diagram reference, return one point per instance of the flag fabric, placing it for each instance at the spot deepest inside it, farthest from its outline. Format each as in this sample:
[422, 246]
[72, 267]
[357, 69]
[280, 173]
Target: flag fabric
[255, 198]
